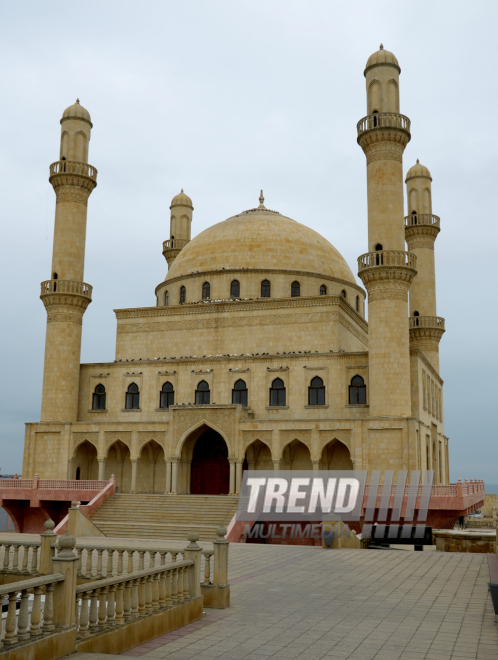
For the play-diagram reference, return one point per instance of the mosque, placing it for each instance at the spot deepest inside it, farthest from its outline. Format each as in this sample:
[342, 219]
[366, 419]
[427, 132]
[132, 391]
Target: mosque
[257, 353]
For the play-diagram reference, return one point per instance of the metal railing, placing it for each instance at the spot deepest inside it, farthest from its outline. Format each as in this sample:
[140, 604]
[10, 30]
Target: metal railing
[73, 167]
[386, 258]
[426, 322]
[422, 219]
[66, 286]
[383, 120]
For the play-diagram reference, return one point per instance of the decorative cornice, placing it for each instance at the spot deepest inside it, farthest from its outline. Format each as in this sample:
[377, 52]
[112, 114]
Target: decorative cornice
[421, 235]
[378, 276]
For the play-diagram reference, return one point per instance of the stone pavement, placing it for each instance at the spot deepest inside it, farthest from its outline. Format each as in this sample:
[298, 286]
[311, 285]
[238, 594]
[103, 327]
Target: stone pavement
[308, 603]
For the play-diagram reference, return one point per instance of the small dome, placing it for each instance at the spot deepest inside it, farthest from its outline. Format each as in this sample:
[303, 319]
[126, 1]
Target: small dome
[76, 111]
[181, 200]
[418, 170]
[382, 57]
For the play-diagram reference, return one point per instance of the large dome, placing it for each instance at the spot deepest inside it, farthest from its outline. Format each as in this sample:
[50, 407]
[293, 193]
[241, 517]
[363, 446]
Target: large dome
[260, 239]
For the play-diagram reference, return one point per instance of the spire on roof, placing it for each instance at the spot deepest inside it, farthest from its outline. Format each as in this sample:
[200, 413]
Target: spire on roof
[261, 201]
[381, 47]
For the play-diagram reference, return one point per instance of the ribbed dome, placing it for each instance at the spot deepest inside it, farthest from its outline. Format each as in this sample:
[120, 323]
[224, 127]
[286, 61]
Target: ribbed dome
[382, 56]
[181, 200]
[264, 240]
[76, 110]
[418, 170]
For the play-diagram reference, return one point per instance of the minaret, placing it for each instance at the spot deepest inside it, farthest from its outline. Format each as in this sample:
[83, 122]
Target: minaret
[65, 295]
[386, 270]
[421, 230]
[180, 226]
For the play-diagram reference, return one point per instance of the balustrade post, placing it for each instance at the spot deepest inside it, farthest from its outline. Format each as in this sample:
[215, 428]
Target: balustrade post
[119, 620]
[94, 611]
[130, 561]
[23, 619]
[46, 548]
[179, 594]
[6, 557]
[102, 606]
[141, 596]
[120, 562]
[48, 608]
[84, 619]
[162, 589]
[148, 594]
[10, 623]
[15, 561]
[155, 592]
[127, 613]
[169, 576]
[65, 591]
[36, 628]
[109, 562]
[134, 598]
[34, 559]
[111, 605]
[194, 552]
[207, 568]
[174, 585]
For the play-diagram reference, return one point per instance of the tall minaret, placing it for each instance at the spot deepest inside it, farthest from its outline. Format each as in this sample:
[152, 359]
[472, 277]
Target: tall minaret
[421, 230]
[65, 295]
[180, 226]
[386, 270]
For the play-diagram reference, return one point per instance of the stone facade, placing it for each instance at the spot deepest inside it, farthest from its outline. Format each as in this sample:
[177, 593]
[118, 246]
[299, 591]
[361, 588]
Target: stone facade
[262, 300]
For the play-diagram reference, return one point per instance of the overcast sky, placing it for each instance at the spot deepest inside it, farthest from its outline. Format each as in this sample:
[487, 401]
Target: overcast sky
[223, 98]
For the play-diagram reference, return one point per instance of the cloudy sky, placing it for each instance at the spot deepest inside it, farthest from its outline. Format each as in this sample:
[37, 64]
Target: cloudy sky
[223, 98]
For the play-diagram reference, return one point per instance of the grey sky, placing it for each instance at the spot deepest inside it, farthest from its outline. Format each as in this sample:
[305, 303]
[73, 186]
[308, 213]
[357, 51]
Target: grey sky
[224, 98]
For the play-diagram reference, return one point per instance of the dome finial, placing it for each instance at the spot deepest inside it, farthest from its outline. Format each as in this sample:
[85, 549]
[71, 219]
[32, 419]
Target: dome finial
[381, 47]
[418, 160]
[261, 201]
[78, 101]
[182, 189]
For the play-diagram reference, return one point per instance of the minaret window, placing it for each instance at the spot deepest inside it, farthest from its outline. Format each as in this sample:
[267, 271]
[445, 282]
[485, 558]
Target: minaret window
[416, 315]
[206, 291]
[414, 217]
[239, 393]
[235, 289]
[357, 303]
[166, 299]
[167, 396]
[295, 290]
[376, 121]
[343, 293]
[265, 289]
[357, 390]
[316, 392]
[323, 290]
[183, 294]
[132, 398]
[55, 285]
[202, 394]
[277, 393]
[98, 399]
[379, 258]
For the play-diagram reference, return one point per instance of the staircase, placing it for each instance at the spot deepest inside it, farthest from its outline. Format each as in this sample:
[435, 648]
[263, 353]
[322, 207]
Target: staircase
[164, 516]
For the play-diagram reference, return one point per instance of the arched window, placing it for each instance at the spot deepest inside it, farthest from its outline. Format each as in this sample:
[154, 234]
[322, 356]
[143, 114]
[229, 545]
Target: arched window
[357, 390]
[239, 393]
[379, 258]
[414, 217]
[202, 393]
[277, 393]
[78, 474]
[166, 299]
[167, 396]
[343, 293]
[235, 289]
[323, 290]
[132, 397]
[55, 284]
[183, 294]
[98, 400]
[316, 392]
[375, 113]
[206, 291]
[357, 303]
[295, 290]
[416, 315]
[265, 289]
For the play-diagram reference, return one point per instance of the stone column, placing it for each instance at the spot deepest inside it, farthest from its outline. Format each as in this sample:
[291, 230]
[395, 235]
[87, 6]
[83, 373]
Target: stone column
[316, 463]
[238, 476]
[174, 475]
[134, 475]
[101, 469]
[168, 477]
[276, 464]
[232, 476]
[70, 464]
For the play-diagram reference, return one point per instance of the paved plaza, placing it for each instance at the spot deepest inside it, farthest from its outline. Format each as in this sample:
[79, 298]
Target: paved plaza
[308, 603]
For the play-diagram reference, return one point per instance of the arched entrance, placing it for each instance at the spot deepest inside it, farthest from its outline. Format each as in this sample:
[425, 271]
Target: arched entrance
[336, 456]
[210, 471]
[85, 464]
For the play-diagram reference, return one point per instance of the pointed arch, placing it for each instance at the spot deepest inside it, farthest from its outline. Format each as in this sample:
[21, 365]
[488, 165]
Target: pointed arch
[374, 97]
[296, 455]
[258, 456]
[118, 463]
[392, 96]
[85, 461]
[336, 456]
[151, 468]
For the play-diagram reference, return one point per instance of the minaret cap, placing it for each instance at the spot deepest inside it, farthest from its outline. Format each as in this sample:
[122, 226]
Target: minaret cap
[261, 202]
[418, 170]
[76, 111]
[382, 57]
[181, 200]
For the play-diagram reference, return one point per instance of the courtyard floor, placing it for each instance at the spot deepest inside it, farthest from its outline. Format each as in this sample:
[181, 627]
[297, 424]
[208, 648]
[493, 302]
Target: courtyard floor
[307, 603]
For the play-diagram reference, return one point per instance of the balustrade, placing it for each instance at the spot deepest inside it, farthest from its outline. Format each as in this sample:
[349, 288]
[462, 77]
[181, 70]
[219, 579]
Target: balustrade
[207, 554]
[99, 562]
[383, 120]
[427, 322]
[386, 258]
[20, 557]
[175, 244]
[422, 219]
[73, 167]
[79, 289]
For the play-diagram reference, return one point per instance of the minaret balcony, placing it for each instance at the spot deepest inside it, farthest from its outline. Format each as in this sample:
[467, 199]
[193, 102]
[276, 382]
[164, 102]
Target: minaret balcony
[380, 120]
[175, 244]
[429, 322]
[425, 219]
[67, 287]
[389, 258]
[73, 167]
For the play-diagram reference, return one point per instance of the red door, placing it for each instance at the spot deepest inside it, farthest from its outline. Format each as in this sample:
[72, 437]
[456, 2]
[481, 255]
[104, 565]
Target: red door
[210, 467]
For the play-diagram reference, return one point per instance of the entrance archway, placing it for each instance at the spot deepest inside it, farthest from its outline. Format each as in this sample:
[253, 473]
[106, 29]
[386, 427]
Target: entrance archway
[118, 463]
[85, 462]
[210, 471]
[336, 456]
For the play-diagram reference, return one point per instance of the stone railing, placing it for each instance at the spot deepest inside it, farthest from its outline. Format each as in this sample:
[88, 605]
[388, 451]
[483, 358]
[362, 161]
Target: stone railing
[66, 286]
[175, 244]
[383, 120]
[20, 557]
[26, 624]
[422, 219]
[426, 322]
[54, 484]
[386, 258]
[73, 167]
